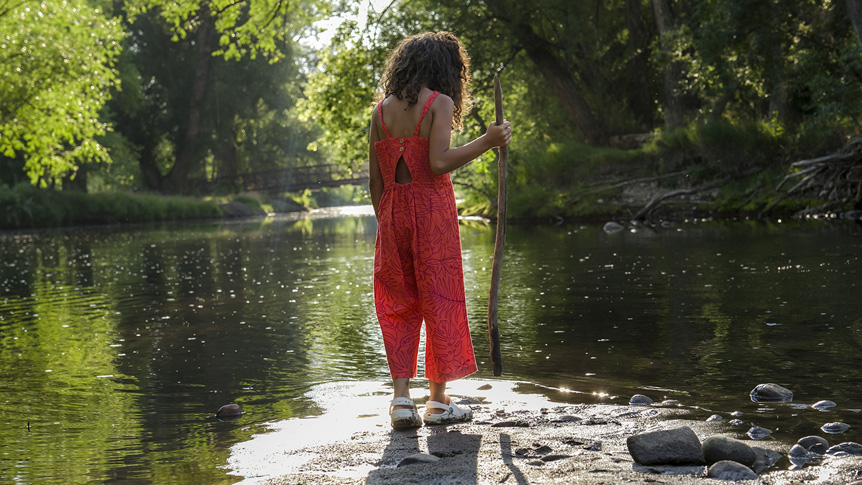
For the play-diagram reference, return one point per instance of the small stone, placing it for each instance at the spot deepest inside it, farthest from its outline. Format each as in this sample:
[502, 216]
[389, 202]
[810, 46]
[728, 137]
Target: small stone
[678, 446]
[835, 428]
[731, 470]
[821, 405]
[713, 418]
[548, 458]
[229, 410]
[766, 459]
[484, 387]
[418, 458]
[848, 448]
[640, 400]
[735, 422]
[758, 433]
[566, 419]
[722, 448]
[771, 393]
[737, 414]
[612, 227]
[511, 424]
[814, 444]
[798, 455]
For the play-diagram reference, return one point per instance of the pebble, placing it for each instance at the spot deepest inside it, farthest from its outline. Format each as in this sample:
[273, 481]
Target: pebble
[229, 410]
[821, 405]
[735, 422]
[848, 448]
[758, 433]
[814, 444]
[731, 470]
[737, 414]
[484, 387]
[771, 392]
[612, 227]
[713, 418]
[722, 448]
[835, 428]
[798, 455]
[640, 400]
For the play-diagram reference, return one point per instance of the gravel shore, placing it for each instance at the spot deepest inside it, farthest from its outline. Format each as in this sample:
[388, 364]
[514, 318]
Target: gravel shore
[513, 438]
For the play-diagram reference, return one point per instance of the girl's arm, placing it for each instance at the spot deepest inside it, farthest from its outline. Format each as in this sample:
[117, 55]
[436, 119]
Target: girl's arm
[375, 178]
[444, 159]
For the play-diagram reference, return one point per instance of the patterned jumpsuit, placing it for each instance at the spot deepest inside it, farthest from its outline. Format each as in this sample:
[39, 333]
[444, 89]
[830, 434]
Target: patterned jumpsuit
[417, 264]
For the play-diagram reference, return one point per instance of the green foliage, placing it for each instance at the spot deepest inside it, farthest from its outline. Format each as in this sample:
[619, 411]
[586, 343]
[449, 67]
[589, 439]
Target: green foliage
[57, 67]
[26, 206]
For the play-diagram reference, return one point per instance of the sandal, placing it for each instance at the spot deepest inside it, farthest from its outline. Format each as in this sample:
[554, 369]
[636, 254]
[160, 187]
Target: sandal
[451, 413]
[404, 418]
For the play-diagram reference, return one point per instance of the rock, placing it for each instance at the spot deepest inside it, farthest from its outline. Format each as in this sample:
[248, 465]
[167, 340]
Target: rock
[737, 414]
[771, 393]
[511, 424]
[848, 448]
[484, 387]
[814, 444]
[713, 418]
[640, 400]
[821, 405]
[731, 470]
[678, 446]
[798, 455]
[765, 459]
[229, 410]
[612, 227]
[736, 422]
[418, 458]
[721, 448]
[835, 428]
[758, 433]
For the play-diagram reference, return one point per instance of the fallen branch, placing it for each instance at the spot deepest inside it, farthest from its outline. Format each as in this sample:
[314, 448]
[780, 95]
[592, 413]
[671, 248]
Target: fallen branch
[676, 193]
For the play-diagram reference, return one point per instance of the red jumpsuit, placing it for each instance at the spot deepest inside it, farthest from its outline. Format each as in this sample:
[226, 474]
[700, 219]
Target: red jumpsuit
[417, 264]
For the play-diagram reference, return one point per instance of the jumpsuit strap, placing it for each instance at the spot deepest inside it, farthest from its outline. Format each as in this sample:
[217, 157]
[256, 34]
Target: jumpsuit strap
[380, 112]
[424, 111]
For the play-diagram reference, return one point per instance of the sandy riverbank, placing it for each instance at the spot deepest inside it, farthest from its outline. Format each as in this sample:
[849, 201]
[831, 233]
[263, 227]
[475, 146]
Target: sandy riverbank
[514, 438]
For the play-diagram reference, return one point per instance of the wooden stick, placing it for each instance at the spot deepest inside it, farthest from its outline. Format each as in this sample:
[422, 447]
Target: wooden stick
[502, 176]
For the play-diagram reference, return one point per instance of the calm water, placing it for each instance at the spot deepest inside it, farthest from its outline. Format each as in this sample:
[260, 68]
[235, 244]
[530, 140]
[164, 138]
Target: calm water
[117, 346]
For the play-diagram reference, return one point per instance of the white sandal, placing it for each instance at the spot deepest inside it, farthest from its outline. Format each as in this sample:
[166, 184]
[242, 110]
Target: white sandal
[404, 418]
[451, 413]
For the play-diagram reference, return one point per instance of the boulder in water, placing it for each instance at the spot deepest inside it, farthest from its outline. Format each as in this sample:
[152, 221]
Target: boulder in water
[770, 392]
[612, 227]
[229, 411]
[814, 444]
[640, 400]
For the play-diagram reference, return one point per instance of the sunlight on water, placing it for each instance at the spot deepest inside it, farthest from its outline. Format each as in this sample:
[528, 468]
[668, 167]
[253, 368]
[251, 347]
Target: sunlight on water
[117, 345]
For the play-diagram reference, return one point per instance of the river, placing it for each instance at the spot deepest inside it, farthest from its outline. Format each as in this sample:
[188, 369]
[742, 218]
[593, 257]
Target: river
[118, 344]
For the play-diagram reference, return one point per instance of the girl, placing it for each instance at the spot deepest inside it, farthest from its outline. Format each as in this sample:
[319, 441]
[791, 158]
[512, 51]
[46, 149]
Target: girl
[417, 259]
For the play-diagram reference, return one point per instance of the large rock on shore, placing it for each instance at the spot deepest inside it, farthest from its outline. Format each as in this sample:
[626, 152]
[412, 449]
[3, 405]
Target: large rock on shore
[722, 448]
[678, 446]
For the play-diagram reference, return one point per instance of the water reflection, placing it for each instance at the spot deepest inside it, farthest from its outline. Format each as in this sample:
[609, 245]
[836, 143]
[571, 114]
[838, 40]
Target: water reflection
[118, 345]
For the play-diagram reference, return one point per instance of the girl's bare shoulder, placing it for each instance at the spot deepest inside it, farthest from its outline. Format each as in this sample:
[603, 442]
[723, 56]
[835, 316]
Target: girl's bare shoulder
[442, 101]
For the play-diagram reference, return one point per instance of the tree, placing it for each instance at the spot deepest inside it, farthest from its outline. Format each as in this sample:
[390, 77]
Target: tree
[57, 65]
[234, 30]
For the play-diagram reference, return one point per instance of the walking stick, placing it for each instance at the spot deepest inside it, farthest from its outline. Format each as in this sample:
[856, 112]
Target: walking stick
[502, 175]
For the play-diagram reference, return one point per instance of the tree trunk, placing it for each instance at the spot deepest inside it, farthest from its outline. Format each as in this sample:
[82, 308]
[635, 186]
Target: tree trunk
[561, 79]
[854, 11]
[188, 145]
[672, 73]
[637, 48]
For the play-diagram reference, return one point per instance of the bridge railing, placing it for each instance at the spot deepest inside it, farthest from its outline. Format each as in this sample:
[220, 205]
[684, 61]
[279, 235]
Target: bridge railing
[290, 179]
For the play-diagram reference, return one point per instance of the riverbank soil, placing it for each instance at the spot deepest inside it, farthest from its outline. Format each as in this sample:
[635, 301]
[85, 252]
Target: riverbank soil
[513, 438]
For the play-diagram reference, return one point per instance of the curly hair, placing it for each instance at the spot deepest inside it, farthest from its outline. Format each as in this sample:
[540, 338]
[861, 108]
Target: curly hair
[437, 61]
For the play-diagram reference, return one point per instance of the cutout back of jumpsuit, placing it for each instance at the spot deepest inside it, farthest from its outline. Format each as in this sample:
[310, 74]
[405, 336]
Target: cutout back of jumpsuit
[418, 274]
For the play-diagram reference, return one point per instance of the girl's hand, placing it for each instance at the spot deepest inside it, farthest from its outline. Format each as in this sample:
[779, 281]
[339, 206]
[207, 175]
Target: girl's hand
[499, 135]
